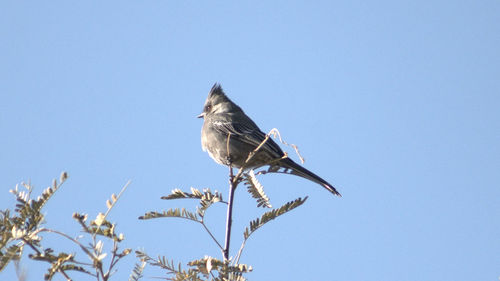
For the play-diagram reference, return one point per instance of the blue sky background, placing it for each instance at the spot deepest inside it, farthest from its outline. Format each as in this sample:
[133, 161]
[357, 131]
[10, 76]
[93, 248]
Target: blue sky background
[397, 103]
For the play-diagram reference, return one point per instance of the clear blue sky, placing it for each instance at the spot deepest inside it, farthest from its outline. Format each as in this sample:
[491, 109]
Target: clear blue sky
[397, 103]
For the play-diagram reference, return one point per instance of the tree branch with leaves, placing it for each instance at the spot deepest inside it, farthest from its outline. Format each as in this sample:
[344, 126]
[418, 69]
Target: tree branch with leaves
[210, 268]
[23, 229]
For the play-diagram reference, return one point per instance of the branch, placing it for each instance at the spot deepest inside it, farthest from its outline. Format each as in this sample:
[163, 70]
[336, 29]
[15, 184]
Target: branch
[265, 218]
[229, 217]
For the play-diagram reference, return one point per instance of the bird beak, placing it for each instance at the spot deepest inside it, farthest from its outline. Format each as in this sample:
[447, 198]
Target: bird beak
[201, 115]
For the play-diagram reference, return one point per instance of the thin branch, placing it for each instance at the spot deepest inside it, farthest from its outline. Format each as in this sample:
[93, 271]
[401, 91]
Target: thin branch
[220, 201]
[68, 237]
[113, 261]
[233, 183]
[101, 271]
[211, 235]
[275, 132]
[265, 218]
[113, 204]
[31, 246]
[229, 218]
[39, 253]
[227, 148]
[65, 275]
[238, 256]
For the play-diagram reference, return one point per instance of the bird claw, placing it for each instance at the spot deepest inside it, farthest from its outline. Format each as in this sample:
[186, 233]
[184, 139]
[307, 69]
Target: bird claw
[229, 161]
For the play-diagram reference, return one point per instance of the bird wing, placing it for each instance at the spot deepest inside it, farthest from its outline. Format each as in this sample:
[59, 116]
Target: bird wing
[250, 135]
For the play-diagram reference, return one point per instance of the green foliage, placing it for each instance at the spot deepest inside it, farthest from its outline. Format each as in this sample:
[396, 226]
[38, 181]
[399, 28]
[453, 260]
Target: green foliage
[207, 198]
[271, 215]
[11, 253]
[25, 228]
[209, 268]
[265, 218]
[256, 189]
[137, 271]
[171, 213]
[195, 193]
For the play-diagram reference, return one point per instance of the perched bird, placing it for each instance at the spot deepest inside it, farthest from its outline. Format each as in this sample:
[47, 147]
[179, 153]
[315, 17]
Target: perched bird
[229, 135]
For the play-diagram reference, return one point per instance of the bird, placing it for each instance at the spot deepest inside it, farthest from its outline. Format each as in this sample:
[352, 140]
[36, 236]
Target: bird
[229, 136]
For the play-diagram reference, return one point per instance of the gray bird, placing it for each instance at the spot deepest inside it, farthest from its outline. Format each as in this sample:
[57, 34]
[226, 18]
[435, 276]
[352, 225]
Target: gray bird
[226, 126]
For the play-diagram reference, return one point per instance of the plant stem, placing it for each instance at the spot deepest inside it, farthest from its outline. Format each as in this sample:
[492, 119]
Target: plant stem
[233, 183]
[229, 218]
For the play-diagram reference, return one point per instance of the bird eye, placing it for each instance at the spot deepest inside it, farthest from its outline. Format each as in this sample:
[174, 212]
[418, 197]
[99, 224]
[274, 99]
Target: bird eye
[208, 107]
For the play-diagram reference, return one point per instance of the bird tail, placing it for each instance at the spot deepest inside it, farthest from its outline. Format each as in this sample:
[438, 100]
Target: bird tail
[296, 169]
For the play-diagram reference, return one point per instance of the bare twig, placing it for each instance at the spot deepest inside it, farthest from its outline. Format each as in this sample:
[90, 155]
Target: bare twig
[233, 183]
[275, 133]
[238, 256]
[113, 204]
[211, 235]
[229, 218]
[84, 249]
[65, 275]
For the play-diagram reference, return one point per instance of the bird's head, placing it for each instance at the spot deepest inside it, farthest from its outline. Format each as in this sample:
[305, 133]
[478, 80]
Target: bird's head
[217, 102]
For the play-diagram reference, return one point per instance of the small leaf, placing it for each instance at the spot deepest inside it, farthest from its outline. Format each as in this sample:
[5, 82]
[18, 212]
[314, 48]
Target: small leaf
[256, 189]
[137, 271]
[207, 264]
[12, 253]
[57, 265]
[126, 252]
[99, 219]
[196, 194]
[178, 213]
[63, 177]
[101, 256]
[98, 246]
[271, 215]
